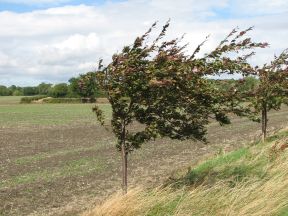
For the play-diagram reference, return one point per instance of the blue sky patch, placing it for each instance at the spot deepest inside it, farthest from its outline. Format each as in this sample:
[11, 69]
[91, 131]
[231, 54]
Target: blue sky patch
[5, 5]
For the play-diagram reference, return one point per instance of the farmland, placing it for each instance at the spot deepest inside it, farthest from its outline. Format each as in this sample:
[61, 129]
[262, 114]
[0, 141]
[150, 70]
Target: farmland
[57, 160]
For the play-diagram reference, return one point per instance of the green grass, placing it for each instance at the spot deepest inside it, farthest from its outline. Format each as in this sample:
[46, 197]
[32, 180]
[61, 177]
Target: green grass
[166, 208]
[283, 212]
[222, 167]
[5, 100]
[277, 136]
[48, 114]
[47, 155]
[72, 168]
[230, 166]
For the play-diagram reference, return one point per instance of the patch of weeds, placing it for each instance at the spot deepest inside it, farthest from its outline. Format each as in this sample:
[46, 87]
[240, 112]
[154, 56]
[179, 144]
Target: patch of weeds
[221, 167]
[220, 151]
[277, 136]
[71, 168]
[31, 159]
[42, 156]
[240, 172]
[166, 208]
[278, 148]
[283, 212]
[222, 160]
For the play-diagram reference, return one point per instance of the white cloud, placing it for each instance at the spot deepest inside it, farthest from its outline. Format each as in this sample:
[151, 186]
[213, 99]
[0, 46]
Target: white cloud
[33, 2]
[261, 6]
[57, 43]
[74, 48]
[6, 61]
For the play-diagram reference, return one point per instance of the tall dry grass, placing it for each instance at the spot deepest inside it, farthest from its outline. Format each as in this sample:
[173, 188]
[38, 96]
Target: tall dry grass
[250, 196]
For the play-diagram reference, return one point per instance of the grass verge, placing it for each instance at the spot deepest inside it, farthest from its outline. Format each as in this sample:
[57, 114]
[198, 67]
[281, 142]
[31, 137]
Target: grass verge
[249, 181]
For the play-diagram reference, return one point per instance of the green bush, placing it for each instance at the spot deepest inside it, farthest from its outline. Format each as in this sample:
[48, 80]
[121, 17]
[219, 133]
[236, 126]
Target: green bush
[4, 91]
[28, 100]
[62, 100]
[17, 93]
[59, 90]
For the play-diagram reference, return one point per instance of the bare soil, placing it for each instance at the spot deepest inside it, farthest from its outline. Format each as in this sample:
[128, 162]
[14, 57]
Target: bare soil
[64, 170]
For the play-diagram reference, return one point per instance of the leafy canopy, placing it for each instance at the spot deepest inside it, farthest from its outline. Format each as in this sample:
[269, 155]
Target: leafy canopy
[272, 90]
[157, 85]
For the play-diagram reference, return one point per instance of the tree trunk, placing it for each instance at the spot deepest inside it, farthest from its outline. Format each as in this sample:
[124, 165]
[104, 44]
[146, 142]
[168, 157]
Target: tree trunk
[124, 155]
[124, 168]
[264, 122]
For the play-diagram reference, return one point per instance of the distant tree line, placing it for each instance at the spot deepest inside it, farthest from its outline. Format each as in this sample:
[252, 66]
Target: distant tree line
[82, 86]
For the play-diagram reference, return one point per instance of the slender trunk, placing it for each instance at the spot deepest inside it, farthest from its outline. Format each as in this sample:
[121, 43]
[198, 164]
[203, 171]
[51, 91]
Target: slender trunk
[124, 169]
[124, 153]
[124, 156]
[264, 122]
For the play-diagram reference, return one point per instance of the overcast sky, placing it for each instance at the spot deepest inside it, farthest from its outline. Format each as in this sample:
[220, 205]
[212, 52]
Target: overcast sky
[53, 40]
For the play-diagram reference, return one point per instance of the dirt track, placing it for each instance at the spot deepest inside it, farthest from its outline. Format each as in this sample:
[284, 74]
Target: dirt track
[63, 170]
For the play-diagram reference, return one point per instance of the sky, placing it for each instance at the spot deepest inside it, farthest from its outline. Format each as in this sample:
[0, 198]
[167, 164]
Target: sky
[53, 40]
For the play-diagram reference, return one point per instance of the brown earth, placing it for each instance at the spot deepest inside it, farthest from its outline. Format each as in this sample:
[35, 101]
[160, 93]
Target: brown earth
[63, 170]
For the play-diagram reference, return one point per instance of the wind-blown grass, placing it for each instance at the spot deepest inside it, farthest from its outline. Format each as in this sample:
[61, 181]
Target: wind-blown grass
[249, 181]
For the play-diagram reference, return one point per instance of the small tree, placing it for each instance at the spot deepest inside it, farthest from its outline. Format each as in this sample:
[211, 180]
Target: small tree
[73, 87]
[86, 86]
[59, 90]
[29, 91]
[272, 90]
[4, 91]
[166, 92]
[44, 88]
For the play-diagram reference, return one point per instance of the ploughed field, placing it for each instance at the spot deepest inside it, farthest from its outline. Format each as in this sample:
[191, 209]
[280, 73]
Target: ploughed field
[55, 159]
